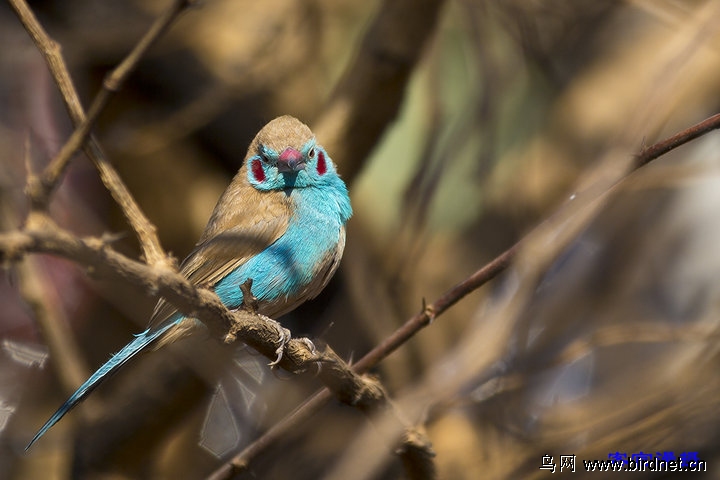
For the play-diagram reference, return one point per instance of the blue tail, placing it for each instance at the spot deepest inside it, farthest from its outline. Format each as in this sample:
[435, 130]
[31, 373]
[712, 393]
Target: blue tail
[111, 366]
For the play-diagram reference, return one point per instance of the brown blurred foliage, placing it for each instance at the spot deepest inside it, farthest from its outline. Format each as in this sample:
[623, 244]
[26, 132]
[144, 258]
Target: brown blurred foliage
[602, 336]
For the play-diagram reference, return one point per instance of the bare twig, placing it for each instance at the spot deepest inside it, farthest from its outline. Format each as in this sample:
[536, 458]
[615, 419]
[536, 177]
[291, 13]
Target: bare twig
[435, 309]
[652, 152]
[41, 189]
[111, 84]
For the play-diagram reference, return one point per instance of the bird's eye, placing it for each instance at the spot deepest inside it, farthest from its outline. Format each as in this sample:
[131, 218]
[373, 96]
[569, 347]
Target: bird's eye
[311, 153]
[263, 153]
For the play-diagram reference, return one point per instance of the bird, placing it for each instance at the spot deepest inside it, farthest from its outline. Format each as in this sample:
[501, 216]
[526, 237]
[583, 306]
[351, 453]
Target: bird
[280, 224]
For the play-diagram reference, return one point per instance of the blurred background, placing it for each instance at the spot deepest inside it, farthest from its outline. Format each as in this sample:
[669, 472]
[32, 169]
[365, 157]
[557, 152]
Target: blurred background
[516, 119]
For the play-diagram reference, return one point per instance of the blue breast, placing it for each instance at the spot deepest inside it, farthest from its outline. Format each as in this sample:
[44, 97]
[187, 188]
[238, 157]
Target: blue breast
[283, 270]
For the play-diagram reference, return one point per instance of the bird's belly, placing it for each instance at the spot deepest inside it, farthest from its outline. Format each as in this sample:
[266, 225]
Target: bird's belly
[291, 270]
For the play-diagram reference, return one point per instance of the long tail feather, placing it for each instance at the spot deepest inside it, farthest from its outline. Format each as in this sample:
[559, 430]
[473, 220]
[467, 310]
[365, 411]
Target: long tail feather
[110, 367]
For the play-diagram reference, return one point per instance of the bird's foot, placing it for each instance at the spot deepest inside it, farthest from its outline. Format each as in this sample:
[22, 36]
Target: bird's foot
[310, 345]
[314, 352]
[285, 337]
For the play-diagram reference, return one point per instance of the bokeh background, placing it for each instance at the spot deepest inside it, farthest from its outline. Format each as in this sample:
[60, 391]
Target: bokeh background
[520, 118]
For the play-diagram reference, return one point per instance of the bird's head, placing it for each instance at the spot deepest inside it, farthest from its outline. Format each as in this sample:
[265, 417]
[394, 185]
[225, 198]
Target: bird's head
[284, 154]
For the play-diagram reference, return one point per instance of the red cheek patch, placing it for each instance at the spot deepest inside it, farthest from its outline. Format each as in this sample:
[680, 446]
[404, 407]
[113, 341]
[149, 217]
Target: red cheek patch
[321, 164]
[258, 171]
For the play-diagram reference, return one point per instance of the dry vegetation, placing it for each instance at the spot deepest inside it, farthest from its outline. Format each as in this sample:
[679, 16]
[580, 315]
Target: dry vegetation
[469, 131]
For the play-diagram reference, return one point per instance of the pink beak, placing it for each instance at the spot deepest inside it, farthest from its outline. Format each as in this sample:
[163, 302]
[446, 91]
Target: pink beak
[290, 160]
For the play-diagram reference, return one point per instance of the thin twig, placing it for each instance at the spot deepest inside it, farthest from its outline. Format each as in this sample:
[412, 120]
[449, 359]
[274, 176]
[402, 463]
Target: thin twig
[111, 84]
[437, 308]
[41, 190]
[241, 462]
[652, 152]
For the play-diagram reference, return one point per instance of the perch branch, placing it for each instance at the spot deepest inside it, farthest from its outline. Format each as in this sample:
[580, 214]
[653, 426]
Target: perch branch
[412, 326]
[41, 234]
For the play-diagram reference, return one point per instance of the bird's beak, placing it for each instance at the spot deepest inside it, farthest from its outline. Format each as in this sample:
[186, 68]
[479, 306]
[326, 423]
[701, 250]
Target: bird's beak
[290, 161]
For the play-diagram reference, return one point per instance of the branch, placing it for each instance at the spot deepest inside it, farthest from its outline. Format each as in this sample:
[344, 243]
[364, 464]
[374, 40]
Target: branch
[437, 308]
[430, 312]
[40, 189]
[43, 235]
[112, 83]
[652, 152]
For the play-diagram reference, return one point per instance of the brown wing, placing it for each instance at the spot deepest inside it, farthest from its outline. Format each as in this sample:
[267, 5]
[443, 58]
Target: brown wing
[244, 223]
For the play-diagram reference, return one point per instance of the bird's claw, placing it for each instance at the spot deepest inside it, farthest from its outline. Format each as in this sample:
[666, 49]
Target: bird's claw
[313, 351]
[310, 345]
[285, 337]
